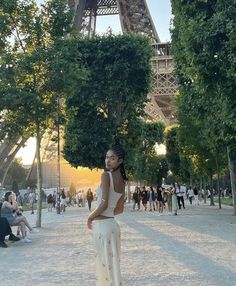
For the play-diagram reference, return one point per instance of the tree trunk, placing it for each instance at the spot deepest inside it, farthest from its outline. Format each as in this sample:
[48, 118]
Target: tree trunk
[218, 182]
[212, 193]
[39, 179]
[231, 150]
[205, 190]
[191, 181]
[128, 193]
[10, 158]
[200, 189]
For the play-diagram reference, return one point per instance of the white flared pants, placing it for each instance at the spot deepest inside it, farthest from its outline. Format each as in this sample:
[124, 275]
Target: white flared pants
[106, 234]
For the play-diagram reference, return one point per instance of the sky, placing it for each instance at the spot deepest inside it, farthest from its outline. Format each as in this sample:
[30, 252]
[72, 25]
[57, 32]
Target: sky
[160, 11]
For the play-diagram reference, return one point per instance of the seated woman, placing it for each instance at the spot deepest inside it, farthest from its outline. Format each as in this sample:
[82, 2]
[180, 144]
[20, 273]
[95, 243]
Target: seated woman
[9, 211]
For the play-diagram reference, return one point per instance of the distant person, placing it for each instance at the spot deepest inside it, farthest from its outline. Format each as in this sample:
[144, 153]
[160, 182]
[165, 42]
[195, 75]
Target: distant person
[144, 197]
[190, 195]
[151, 199]
[20, 199]
[195, 192]
[50, 202]
[89, 198]
[159, 200]
[32, 199]
[135, 199]
[63, 201]
[180, 196]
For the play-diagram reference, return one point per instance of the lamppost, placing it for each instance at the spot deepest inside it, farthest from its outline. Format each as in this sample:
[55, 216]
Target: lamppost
[58, 158]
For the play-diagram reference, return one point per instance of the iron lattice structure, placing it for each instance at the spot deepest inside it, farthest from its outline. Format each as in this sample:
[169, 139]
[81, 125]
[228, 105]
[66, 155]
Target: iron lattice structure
[135, 17]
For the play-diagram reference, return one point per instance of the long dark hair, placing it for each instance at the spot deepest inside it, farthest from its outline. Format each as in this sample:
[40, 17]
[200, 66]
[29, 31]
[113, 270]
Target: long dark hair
[7, 194]
[120, 153]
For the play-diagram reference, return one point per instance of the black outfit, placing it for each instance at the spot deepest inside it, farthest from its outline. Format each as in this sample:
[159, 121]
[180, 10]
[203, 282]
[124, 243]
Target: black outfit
[159, 196]
[5, 229]
[89, 199]
[136, 200]
[195, 191]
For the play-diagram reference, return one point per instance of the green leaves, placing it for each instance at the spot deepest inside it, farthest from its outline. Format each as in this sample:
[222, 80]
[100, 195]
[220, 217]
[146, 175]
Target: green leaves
[202, 44]
[111, 97]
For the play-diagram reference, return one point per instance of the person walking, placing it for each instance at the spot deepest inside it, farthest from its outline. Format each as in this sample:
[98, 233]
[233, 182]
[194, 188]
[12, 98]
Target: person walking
[195, 192]
[190, 195]
[50, 202]
[180, 196]
[89, 198]
[135, 199]
[106, 231]
[151, 199]
[144, 197]
[32, 198]
[159, 200]
[63, 201]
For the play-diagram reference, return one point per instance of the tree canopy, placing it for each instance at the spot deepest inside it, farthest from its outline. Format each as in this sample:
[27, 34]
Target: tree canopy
[107, 107]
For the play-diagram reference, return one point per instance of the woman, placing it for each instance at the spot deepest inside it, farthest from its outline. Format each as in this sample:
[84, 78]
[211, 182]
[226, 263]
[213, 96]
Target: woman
[10, 210]
[63, 201]
[159, 200]
[144, 196]
[151, 198]
[106, 231]
[89, 198]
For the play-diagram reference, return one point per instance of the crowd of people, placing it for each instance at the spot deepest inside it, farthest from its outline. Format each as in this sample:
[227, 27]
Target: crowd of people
[164, 199]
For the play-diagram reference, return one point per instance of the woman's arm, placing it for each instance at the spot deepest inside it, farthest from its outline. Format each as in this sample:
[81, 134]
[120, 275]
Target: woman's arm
[120, 205]
[8, 205]
[105, 185]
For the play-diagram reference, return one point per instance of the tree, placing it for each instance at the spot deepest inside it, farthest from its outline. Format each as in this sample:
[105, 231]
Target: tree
[206, 155]
[16, 175]
[28, 93]
[110, 100]
[151, 133]
[15, 187]
[203, 44]
[179, 163]
[156, 169]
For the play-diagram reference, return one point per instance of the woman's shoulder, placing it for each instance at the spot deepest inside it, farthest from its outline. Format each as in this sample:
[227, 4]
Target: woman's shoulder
[105, 176]
[6, 204]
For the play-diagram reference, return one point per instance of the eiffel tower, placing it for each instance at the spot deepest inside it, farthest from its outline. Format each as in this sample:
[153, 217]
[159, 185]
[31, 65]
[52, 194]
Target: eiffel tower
[135, 17]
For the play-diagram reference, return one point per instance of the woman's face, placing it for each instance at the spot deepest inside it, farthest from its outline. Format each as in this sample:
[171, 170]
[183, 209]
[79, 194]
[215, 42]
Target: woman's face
[10, 197]
[112, 161]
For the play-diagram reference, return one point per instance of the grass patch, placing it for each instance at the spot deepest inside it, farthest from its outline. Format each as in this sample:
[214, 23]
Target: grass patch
[28, 208]
[225, 201]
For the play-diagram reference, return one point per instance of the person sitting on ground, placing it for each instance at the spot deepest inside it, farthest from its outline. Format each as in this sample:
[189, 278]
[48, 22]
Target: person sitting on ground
[5, 229]
[9, 211]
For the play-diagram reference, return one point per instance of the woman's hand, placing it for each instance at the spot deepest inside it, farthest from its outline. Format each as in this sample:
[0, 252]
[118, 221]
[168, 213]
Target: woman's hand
[90, 223]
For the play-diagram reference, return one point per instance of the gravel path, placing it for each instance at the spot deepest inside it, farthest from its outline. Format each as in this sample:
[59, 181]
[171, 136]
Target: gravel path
[195, 248]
